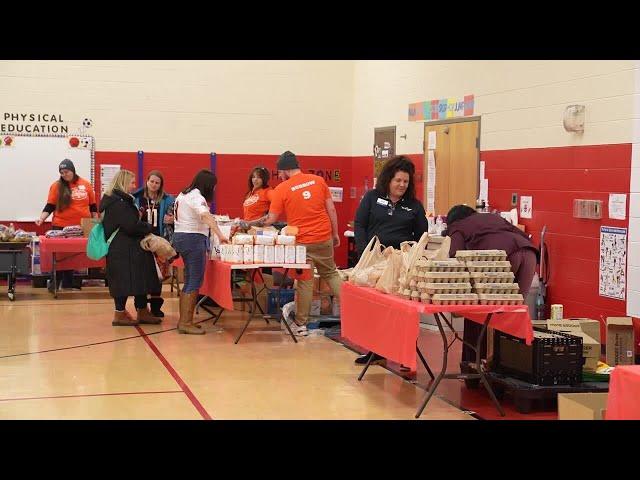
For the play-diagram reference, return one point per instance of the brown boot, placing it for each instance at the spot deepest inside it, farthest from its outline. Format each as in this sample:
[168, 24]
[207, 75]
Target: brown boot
[123, 319]
[144, 316]
[187, 307]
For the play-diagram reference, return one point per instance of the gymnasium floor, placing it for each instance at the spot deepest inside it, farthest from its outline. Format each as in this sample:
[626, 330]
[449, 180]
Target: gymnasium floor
[62, 359]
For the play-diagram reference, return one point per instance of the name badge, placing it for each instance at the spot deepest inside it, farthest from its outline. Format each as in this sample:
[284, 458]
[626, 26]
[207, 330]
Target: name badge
[382, 201]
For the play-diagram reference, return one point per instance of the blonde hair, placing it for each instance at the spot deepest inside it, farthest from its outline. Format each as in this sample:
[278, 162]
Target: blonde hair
[120, 182]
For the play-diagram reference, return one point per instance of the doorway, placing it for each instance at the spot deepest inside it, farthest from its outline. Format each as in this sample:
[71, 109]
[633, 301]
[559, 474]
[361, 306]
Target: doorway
[457, 163]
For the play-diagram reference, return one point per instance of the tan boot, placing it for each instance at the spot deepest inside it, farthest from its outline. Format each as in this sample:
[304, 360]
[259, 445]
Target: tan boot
[144, 316]
[187, 307]
[123, 319]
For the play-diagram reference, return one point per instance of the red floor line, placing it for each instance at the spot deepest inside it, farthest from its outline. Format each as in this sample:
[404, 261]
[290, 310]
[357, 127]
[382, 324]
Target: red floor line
[87, 395]
[185, 388]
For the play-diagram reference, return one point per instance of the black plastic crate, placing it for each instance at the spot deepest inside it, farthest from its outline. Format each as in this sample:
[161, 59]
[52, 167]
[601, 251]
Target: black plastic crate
[554, 358]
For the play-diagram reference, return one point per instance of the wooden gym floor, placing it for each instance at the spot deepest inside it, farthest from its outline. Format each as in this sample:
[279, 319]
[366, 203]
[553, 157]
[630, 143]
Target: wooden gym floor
[62, 359]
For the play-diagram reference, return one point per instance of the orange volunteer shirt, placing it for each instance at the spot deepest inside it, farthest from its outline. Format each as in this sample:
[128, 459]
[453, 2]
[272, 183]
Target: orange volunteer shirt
[302, 199]
[257, 204]
[82, 195]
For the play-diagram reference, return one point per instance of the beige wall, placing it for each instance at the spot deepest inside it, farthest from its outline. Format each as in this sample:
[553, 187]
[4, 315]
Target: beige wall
[191, 106]
[521, 102]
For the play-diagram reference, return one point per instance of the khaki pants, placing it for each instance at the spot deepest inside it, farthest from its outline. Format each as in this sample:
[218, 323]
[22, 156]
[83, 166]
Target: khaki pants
[319, 255]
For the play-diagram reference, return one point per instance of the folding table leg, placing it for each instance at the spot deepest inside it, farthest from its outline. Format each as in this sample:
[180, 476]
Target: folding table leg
[55, 279]
[424, 362]
[483, 378]
[434, 385]
[366, 367]
[254, 295]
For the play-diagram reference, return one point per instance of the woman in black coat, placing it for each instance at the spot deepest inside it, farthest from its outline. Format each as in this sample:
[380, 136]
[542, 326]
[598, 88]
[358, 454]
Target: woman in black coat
[130, 269]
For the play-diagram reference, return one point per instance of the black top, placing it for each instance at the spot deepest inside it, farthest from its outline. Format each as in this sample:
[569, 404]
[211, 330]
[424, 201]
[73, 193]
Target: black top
[393, 224]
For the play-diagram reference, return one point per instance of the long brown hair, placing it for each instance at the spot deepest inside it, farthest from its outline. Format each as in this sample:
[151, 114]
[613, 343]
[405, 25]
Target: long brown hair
[263, 173]
[64, 193]
[155, 173]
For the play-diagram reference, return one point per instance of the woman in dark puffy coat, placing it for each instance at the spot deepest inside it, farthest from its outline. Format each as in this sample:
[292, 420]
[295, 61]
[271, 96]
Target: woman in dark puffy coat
[131, 271]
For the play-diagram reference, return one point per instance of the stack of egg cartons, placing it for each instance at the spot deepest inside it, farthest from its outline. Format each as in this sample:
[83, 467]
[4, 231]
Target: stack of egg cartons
[491, 276]
[443, 282]
[446, 282]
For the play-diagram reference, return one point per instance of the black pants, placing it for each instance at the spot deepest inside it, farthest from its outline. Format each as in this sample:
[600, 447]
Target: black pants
[140, 301]
[65, 277]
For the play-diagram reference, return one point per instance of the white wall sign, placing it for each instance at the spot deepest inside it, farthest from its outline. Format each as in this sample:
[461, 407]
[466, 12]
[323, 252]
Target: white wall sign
[431, 182]
[526, 207]
[107, 172]
[618, 206]
[613, 262]
[431, 145]
[336, 193]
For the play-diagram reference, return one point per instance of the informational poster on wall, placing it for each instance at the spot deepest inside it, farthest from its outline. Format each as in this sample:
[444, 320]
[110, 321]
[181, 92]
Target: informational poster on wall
[431, 182]
[526, 207]
[613, 262]
[107, 172]
[336, 194]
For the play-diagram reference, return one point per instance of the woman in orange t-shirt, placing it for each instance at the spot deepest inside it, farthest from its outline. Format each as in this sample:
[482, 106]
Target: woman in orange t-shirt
[70, 199]
[258, 197]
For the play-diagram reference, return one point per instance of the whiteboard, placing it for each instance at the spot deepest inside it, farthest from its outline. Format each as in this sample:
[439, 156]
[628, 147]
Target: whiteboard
[28, 167]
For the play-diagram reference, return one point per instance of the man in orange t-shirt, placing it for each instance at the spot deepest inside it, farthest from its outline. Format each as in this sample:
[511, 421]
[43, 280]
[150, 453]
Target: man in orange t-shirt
[306, 201]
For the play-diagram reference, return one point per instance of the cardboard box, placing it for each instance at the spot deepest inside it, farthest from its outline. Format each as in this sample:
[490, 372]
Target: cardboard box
[289, 254]
[326, 305]
[582, 406]
[247, 254]
[278, 254]
[620, 341]
[590, 346]
[269, 254]
[589, 326]
[87, 225]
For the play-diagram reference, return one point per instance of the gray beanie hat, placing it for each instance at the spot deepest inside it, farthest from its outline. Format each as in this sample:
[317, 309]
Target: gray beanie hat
[67, 164]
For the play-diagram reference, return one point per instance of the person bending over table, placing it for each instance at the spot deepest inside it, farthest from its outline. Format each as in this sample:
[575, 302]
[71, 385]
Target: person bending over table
[131, 271]
[392, 212]
[156, 208]
[70, 199]
[191, 241]
[306, 201]
[470, 230]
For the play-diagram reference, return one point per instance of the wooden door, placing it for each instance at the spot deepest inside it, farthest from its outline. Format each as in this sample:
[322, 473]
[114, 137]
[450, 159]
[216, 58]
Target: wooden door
[457, 164]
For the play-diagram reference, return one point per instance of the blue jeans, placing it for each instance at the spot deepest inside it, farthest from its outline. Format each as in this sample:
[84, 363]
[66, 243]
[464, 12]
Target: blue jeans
[193, 248]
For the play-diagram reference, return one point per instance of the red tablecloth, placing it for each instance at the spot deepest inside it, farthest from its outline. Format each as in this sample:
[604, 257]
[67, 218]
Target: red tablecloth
[623, 402]
[70, 254]
[217, 283]
[389, 325]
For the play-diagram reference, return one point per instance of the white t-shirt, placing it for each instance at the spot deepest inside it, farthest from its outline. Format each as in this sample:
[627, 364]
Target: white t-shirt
[187, 210]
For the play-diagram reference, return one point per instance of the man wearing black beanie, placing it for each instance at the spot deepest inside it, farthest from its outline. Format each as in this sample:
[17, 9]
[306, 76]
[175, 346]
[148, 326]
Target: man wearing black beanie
[306, 201]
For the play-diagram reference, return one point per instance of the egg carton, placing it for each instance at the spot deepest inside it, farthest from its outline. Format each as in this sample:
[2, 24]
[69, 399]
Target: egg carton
[496, 288]
[446, 277]
[452, 265]
[492, 277]
[488, 266]
[455, 299]
[425, 297]
[481, 255]
[490, 299]
[440, 288]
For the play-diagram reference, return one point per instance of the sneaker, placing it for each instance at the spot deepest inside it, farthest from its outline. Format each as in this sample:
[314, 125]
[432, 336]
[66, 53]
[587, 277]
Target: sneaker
[377, 359]
[299, 331]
